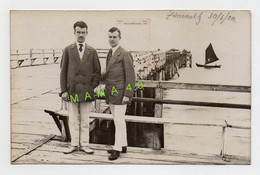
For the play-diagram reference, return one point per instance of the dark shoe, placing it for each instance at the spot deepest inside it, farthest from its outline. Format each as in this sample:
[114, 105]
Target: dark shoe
[124, 150]
[114, 155]
[70, 149]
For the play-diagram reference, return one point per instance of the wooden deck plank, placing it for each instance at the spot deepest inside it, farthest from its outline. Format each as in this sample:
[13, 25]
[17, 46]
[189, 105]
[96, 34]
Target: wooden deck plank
[41, 129]
[44, 157]
[33, 147]
[26, 138]
[51, 152]
[19, 145]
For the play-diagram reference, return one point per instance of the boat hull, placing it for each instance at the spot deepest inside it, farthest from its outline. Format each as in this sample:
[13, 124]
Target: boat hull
[208, 66]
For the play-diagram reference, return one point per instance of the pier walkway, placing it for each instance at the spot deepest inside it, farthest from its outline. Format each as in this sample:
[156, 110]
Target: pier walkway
[34, 134]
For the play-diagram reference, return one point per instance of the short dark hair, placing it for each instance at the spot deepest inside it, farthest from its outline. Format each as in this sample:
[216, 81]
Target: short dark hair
[80, 24]
[113, 29]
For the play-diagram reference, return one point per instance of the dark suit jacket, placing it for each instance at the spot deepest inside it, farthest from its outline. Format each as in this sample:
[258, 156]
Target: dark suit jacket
[79, 77]
[119, 73]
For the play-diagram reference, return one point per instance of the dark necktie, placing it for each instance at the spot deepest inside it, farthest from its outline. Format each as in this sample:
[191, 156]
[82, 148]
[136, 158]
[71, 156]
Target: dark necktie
[80, 47]
[109, 55]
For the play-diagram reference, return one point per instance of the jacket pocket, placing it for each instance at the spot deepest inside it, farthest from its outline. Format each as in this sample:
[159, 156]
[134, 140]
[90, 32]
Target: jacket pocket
[84, 91]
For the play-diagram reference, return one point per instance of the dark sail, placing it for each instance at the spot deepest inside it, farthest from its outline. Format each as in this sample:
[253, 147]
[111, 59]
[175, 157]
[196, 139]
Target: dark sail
[210, 55]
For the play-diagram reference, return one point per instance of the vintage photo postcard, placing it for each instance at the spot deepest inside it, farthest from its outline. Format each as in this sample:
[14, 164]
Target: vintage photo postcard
[131, 87]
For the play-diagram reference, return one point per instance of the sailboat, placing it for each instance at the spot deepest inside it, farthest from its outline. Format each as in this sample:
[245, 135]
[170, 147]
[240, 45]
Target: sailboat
[210, 57]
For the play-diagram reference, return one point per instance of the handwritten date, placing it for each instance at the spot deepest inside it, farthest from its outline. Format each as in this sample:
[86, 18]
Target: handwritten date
[221, 17]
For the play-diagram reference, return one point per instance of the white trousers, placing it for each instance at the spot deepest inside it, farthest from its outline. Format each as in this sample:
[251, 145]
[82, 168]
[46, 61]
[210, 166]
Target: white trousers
[118, 113]
[79, 123]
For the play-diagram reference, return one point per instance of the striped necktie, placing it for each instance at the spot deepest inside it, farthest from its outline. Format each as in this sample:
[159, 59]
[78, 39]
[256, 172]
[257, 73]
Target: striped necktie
[80, 47]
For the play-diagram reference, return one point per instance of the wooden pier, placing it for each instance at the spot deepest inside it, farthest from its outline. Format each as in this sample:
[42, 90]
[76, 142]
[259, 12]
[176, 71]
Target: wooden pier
[146, 63]
[37, 139]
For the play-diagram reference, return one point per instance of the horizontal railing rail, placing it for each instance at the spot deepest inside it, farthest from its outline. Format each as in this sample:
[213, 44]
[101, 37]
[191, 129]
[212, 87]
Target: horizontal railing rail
[193, 86]
[152, 120]
[193, 103]
[35, 53]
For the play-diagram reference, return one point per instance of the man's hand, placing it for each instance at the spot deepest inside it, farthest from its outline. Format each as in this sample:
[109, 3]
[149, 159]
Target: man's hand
[65, 96]
[126, 100]
[102, 77]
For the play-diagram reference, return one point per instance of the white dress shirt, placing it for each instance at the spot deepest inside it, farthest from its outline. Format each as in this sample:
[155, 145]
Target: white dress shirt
[83, 49]
[114, 49]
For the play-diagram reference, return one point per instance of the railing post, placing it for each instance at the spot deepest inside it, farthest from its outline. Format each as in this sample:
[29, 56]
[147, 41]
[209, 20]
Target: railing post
[161, 75]
[142, 103]
[163, 72]
[43, 59]
[223, 150]
[157, 113]
[158, 75]
[17, 58]
[53, 55]
[190, 60]
[31, 59]
[224, 143]
[171, 70]
[31, 53]
[135, 103]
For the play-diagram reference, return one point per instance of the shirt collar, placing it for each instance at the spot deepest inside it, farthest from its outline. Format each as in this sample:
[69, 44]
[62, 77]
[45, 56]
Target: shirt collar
[115, 48]
[80, 43]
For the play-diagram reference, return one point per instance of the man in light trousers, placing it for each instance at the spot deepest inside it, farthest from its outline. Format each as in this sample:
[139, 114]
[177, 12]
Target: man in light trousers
[80, 74]
[120, 82]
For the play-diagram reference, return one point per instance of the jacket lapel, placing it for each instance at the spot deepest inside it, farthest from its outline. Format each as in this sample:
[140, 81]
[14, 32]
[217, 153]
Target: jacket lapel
[75, 53]
[113, 59]
[85, 55]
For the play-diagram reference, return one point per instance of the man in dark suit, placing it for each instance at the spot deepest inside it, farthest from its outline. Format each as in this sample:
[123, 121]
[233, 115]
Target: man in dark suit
[120, 82]
[80, 74]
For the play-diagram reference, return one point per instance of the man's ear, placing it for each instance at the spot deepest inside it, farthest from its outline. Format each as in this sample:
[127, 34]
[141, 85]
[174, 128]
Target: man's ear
[86, 32]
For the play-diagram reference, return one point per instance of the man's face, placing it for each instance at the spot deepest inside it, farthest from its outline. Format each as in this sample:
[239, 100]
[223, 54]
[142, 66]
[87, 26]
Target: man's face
[80, 34]
[113, 38]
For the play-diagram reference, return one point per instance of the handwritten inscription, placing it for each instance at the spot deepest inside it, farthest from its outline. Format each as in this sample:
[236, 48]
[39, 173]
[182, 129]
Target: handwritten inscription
[221, 17]
[198, 17]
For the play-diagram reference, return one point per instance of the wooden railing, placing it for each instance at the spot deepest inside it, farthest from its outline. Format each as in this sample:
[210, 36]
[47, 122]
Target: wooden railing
[35, 57]
[160, 86]
[145, 62]
[157, 119]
